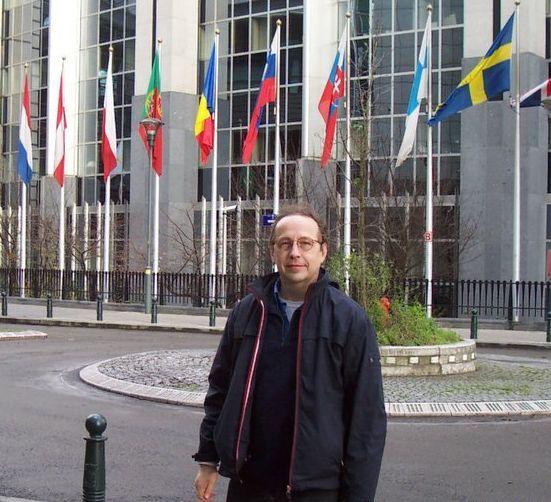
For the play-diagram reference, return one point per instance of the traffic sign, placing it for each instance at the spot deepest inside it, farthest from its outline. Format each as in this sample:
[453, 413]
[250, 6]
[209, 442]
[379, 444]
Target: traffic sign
[268, 220]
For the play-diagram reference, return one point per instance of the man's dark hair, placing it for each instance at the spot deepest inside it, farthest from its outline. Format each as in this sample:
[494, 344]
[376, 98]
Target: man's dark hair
[301, 210]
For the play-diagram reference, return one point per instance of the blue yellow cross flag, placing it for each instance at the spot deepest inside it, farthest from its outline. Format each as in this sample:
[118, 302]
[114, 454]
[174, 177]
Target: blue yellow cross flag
[489, 77]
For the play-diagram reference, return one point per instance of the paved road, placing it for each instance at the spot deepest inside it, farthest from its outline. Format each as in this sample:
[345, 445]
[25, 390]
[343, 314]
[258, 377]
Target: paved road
[43, 406]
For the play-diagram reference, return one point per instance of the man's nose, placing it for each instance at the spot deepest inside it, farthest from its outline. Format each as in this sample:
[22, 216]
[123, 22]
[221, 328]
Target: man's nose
[295, 249]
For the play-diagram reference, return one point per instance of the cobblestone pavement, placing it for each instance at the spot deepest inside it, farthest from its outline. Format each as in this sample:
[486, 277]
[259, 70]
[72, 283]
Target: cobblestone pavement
[494, 380]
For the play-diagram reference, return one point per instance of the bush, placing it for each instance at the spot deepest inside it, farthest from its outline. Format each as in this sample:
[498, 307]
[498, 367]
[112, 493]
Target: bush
[370, 279]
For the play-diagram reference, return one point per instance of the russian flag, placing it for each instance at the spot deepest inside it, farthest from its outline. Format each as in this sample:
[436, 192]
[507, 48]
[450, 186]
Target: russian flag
[267, 94]
[204, 120]
[109, 129]
[537, 95]
[332, 94]
[25, 149]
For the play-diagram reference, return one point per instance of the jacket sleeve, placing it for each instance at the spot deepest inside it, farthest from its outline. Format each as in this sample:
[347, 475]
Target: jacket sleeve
[364, 412]
[219, 379]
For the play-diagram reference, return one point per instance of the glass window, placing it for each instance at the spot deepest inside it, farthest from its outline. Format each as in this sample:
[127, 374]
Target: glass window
[382, 47]
[294, 107]
[452, 12]
[130, 25]
[240, 7]
[381, 96]
[241, 72]
[404, 52]
[402, 89]
[449, 175]
[105, 27]
[295, 66]
[361, 17]
[259, 5]
[241, 35]
[295, 27]
[548, 232]
[422, 13]
[452, 47]
[451, 134]
[404, 15]
[382, 16]
[258, 61]
[240, 112]
[259, 33]
[118, 24]
[380, 137]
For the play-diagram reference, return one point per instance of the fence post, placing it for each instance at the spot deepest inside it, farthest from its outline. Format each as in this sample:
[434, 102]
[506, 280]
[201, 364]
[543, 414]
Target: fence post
[49, 306]
[93, 483]
[548, 337]
[212, 314]
[474, 324]
[4, 303]
[99, 308]
[154, 310]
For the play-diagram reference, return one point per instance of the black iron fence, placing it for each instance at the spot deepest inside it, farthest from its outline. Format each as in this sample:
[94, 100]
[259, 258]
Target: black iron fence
[492, 299]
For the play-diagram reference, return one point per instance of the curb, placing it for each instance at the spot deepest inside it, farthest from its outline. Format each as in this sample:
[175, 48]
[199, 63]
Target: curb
[111, 325]
[92, 376]
[22, 335]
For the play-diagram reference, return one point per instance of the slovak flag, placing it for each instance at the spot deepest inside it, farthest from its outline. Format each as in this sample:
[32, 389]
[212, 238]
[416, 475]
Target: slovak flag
[109, 128]
[25, 155]
[332, 94]
[267, 94]
[61, 125]
[537, 95]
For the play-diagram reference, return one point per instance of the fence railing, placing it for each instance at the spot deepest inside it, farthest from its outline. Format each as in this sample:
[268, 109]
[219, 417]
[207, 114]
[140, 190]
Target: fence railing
[492, 299]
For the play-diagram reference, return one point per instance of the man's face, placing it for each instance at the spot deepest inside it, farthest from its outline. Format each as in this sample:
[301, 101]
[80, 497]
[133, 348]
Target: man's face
[297, 251]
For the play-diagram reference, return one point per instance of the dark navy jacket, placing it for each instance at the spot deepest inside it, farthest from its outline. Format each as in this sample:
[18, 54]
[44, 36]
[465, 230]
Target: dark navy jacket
[339, 416]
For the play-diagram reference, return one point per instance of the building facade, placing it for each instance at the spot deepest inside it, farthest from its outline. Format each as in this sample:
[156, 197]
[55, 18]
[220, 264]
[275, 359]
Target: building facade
[472, 151]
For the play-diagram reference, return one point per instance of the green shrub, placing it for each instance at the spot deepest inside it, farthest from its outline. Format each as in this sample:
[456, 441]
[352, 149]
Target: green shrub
[370, 279]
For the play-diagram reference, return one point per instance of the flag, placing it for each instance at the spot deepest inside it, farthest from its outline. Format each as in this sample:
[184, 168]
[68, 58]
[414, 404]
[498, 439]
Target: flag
[109, 129]
[204, 120]
[152, 108]
[489, 77]
[537, 95]
[61, 125]
[266, 94]
[332, 93]
[25, 154]
[417, 94]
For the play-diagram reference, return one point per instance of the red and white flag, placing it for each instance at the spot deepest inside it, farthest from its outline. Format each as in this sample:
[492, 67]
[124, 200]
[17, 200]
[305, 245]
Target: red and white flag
[109, 128]
[61, 125]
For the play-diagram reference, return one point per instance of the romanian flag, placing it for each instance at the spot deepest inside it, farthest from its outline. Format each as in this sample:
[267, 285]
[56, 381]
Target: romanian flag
[204, 120]
[490, 77]
[152, 108]
[25, 148]
[267, 94]
[330, 98]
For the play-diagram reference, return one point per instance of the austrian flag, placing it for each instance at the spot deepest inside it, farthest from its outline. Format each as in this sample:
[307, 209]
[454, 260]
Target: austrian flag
[332, 94]
[61, 125]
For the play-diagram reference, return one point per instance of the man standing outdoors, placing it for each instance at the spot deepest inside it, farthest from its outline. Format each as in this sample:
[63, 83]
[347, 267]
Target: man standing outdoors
[295, 407]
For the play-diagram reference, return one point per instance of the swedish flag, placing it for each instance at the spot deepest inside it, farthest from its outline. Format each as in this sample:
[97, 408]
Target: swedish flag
[488, 78]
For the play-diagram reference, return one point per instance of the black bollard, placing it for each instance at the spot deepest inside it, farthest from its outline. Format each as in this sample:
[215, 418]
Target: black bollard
[212, 314]
[548, 337]
[154, 310]
[93, 483]
[99, 308]
[49, 306]
[4, 304]
[474, 324]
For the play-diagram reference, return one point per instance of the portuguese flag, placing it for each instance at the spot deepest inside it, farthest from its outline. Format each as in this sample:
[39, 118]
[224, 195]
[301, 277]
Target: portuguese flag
[152, 108]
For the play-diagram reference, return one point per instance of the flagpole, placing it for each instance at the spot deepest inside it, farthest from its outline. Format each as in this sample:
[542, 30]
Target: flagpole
[277, 161]
[347, 170]
[214, 180]
[428, 196]
[155, 270]
[23, 238]
[516, 181]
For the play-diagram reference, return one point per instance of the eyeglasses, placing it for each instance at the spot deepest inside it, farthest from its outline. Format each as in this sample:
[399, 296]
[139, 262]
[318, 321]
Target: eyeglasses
[304, 244]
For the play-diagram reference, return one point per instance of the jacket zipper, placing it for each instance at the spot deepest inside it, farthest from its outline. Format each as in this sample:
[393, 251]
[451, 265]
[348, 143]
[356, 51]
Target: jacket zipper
[250, 375]
[297, 393]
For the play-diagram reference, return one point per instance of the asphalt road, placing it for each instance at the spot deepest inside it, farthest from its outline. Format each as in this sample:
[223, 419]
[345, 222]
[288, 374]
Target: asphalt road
[43, 406]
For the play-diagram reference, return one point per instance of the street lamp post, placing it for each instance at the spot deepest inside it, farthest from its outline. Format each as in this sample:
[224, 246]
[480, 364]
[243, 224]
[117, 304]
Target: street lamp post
[151, 126]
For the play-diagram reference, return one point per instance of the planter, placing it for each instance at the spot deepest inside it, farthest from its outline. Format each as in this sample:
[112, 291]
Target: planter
[427, 360]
